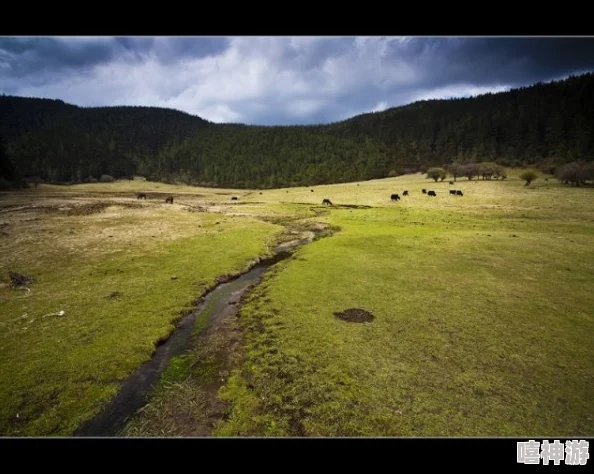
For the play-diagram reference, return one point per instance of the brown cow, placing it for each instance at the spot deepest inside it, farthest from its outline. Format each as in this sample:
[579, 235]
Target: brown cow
[169, 200]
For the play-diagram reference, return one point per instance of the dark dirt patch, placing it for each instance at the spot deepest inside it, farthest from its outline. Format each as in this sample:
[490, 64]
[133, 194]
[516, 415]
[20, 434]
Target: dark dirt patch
[355, 315]
[96, 207]
[18, 281]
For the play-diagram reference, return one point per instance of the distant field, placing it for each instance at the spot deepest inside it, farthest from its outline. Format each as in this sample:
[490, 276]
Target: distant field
[482, 306]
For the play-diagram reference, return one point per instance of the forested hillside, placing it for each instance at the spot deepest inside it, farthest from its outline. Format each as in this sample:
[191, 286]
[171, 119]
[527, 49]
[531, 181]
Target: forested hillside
[544, 125]
[65, 143]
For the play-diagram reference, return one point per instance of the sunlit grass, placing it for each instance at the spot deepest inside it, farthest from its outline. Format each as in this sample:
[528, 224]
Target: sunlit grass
[483, 318]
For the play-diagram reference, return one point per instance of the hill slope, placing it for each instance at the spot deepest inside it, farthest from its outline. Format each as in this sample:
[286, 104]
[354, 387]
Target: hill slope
[544, 124]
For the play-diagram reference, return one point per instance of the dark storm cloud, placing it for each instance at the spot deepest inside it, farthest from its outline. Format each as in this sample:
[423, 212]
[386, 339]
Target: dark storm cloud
[280, 80]
[23, 56]
[483, 61]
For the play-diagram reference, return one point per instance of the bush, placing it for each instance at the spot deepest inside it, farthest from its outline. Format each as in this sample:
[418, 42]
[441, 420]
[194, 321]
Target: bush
[105, 178]
[529, 176]
[91, 179]
[436, 173]
[576, 173]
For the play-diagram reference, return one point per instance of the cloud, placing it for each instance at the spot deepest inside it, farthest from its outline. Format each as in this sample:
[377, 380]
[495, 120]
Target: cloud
[280, 80]
[381, 106]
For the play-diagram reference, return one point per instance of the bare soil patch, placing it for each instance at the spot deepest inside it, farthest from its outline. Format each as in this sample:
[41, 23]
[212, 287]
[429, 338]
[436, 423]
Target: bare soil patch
[355, 315]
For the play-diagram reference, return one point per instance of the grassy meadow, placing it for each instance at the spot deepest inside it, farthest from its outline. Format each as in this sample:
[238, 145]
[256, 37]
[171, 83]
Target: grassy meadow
[122, 275]
[482, 307]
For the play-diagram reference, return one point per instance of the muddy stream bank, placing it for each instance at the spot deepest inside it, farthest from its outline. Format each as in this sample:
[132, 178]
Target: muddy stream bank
[220, 302]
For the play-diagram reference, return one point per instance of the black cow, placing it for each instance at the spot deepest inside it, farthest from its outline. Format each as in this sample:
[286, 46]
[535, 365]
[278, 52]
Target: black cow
[453, 191]
[141, 196]
[394, 197]
[459, 193]
[234, 198]
[451, 182]
[169, 200]
[327, 202]
[405, 193]
[312, 190]
[260, 193]
[431, 193]
[424, 191]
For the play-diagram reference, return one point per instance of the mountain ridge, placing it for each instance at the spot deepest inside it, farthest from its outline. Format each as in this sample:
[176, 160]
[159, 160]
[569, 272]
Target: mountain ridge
[544, 124]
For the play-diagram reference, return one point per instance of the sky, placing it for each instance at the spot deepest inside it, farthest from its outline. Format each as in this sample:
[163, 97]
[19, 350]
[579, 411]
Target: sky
[278, 80]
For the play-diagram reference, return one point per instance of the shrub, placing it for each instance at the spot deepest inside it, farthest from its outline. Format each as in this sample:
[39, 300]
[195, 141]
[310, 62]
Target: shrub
[529, 176]
[436, 173]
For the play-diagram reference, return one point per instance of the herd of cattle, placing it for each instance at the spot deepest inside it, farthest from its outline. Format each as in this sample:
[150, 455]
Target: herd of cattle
[327, 202]
[455, 192]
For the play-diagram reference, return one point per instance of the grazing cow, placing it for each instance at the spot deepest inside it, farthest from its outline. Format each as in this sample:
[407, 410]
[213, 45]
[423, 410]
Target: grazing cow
[169, 200]
[394, 197]
[260, 193]
[405, 193]
[234, 198]
[431, 193]
[546, 179]
[459, 193]
[327, 202]
[141, 196]
[453, 191]
[424, 191]
[451, 182]
[312, 190]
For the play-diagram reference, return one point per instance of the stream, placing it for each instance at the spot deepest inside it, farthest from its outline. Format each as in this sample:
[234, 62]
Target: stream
[219, 302]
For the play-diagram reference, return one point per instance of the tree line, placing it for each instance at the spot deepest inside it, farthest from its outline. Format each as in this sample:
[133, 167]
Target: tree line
[546, 125]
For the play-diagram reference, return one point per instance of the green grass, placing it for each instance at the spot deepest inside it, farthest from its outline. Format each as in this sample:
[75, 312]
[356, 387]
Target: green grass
[483, 310]
[476, 332]
[60, 371]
